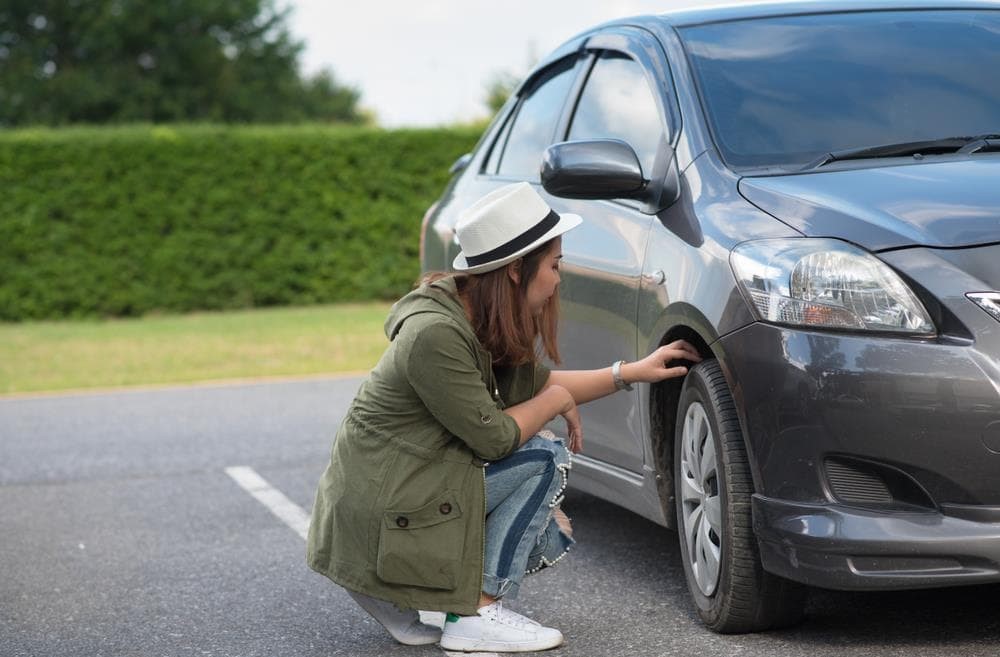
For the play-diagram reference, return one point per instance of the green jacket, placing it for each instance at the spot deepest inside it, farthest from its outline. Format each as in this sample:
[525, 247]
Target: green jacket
[400, 510]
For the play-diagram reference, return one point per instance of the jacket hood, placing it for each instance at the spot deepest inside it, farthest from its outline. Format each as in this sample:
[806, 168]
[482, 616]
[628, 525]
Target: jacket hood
[439, 297]
[947, 203]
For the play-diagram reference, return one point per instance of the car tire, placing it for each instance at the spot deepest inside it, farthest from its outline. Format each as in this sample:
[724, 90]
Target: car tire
[713, 486]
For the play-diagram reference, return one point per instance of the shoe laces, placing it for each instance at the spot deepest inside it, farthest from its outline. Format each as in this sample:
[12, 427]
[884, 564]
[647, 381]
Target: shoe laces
[498, 613]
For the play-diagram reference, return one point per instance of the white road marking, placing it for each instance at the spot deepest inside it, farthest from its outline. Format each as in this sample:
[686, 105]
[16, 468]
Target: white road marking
[295, 517]
[287, 511]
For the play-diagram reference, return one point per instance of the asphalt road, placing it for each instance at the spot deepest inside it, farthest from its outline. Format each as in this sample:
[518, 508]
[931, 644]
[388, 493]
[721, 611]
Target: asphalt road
[122, 534]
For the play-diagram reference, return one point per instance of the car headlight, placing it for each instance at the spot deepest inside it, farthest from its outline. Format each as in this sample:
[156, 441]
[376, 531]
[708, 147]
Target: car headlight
[826, 283]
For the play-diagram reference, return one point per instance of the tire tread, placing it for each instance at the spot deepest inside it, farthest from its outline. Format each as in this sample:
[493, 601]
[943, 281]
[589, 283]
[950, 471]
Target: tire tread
[748, 598]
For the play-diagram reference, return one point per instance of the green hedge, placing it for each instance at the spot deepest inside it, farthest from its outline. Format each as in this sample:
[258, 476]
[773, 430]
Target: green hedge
[127, 221]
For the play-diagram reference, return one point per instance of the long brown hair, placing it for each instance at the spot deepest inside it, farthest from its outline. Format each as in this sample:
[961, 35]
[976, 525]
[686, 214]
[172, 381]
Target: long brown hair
[499, 313]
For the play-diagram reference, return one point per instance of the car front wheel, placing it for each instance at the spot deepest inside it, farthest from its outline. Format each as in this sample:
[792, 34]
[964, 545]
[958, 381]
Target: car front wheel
[713, 486]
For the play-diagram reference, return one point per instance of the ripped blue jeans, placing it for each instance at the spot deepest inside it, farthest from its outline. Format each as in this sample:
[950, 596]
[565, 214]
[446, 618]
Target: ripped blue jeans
[521, 492]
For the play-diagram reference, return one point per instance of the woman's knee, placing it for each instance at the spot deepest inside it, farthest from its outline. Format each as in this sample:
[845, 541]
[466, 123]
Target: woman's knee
[555, 447]
[557, 461]
[537, 457]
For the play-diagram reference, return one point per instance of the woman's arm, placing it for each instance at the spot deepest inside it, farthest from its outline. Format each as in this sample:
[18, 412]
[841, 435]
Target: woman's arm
[588, 385]
[535, 413]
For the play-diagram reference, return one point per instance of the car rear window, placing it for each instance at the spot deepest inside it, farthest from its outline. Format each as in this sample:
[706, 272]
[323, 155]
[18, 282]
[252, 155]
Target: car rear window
[780, 92]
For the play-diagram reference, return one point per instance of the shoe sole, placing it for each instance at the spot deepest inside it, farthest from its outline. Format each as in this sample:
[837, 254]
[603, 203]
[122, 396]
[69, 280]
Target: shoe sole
[470, 645]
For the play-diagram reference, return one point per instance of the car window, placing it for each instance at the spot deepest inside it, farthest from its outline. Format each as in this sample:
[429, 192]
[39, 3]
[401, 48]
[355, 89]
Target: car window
[534, 124]
[497, 150]
[617, 103]
[780, 92]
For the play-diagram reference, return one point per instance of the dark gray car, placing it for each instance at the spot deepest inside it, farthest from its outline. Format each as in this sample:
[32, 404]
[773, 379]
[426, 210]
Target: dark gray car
[810, 193]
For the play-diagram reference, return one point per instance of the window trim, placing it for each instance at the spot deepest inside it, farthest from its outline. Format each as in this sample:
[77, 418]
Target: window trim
[499, 143]
[608, 53]
[579, 62]
[636, 43]
[639, 44]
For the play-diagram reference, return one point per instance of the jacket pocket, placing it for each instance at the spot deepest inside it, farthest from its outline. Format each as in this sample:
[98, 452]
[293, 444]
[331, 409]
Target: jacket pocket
[423, 546]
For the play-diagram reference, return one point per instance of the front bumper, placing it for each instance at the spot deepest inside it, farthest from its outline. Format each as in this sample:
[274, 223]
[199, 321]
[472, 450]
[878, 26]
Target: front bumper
[929, 410]
[840, 547]
[876, 461]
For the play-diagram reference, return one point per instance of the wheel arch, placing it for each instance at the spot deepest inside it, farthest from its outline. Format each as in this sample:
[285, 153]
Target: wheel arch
[663, 400]
[684, 320]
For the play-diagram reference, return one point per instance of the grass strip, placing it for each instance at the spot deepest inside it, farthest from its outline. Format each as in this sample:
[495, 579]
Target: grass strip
[50, 356]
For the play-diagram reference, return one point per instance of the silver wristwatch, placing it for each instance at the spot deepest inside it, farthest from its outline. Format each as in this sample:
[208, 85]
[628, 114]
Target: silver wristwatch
[616, 374]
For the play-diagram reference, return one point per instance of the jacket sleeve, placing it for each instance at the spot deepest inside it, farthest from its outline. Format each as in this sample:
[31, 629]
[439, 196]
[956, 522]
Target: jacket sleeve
[441, 368]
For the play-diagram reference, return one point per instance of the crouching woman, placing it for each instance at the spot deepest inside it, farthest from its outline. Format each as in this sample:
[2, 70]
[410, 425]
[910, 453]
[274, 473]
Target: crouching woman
[441, 494]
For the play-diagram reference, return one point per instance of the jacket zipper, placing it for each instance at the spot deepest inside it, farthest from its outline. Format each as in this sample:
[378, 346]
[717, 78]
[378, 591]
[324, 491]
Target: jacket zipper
[482, 544]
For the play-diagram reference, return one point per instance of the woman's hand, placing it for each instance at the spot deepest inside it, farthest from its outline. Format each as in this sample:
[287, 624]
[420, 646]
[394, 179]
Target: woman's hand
[654, 368]
[551, 401]
[574, 428]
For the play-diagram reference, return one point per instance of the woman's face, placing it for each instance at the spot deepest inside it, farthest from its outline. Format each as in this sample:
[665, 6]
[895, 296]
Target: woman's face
[546, 280]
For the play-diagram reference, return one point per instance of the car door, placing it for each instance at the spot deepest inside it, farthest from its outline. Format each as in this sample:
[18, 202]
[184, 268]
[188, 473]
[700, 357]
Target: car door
[602, 90]
[510, 151]
[603, 258]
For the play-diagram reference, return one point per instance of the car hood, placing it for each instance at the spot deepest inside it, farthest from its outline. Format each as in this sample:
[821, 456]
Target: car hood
[937, 204]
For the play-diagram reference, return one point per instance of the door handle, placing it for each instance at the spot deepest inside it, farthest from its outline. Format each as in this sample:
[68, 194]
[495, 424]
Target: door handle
[656, 278]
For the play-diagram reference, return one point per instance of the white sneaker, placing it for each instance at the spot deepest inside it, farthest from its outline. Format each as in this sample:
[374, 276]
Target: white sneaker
[496, 629]
[403, 624]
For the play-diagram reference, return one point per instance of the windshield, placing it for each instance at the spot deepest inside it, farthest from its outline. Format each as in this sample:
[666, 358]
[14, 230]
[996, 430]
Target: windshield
[781, 92]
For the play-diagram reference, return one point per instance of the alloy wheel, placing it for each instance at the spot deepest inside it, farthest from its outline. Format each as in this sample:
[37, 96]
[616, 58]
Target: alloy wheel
[700, 502]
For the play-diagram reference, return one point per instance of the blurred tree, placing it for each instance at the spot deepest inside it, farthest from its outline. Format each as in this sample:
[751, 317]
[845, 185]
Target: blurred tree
[99, 61]
[499, 88]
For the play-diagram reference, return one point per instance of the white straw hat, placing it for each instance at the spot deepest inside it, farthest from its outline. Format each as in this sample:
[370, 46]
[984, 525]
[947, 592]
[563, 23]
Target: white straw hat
[504, 225]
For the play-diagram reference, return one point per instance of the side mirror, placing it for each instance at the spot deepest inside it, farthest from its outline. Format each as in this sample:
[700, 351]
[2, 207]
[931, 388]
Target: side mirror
[595, 169]
[609, 169]
[460, 163]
